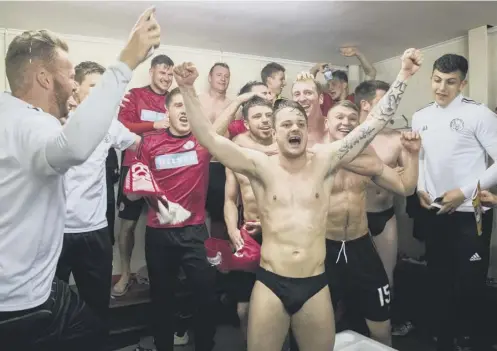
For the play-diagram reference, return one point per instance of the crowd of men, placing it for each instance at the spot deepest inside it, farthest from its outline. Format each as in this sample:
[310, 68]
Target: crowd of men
[310, 177]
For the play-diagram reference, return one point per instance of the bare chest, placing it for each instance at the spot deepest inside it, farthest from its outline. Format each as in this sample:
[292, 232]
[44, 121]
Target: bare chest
[301, 189]
[213, 107]
[387, 148]
[346, 181]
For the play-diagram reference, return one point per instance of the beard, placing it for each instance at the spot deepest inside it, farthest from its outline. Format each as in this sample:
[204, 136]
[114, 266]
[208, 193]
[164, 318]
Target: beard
[61, 98]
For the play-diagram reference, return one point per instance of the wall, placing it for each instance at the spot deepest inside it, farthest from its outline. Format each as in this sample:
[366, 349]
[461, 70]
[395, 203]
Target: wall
[105, 51]
[418, 92]
[2, 61]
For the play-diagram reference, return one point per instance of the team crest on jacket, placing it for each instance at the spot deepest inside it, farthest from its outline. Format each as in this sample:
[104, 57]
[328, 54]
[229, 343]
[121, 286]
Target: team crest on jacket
[457, 124]
[189, 145]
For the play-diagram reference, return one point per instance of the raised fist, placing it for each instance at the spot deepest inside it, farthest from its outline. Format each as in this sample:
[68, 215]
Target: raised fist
[411, 61]
[349, 51]
[185, 74]
[411, 141]
[144, 38]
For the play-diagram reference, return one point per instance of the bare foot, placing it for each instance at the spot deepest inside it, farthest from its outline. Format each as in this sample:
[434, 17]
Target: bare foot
[122, 286]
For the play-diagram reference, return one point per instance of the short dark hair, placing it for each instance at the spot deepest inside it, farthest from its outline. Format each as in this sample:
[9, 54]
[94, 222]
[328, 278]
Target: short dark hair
[171, 94]
[30, 46]
[162, 60]
[86, 68]
[340, 75]
[367, 90]
[449, 63]
[284, 103]
[347, 104]
[219, 64]
[247, 88]
[255, 101]
[270, 69]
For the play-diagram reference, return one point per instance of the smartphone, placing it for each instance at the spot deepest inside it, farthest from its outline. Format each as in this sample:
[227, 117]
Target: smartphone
[437, 202]
[327, 72]
[152, 49]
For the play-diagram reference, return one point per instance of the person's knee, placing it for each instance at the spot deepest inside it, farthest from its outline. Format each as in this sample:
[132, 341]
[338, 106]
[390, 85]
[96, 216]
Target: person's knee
[380, 331]
[128, 228]
[242, 309]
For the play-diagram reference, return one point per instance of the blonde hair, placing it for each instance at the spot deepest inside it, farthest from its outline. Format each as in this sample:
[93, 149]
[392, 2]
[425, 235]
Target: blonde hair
[308, 77]
[27, 47]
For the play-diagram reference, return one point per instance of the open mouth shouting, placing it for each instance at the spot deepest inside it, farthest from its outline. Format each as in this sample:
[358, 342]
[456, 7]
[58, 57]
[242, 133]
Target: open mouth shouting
[295, 140]
[183, 119]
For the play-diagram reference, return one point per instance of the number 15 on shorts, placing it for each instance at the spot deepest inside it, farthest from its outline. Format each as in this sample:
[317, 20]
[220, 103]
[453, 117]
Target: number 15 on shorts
[384, 294]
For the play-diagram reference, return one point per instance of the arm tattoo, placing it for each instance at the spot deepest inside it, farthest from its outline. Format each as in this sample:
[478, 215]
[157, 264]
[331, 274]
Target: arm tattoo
[388, 105]
[363, 133]
[382, 113]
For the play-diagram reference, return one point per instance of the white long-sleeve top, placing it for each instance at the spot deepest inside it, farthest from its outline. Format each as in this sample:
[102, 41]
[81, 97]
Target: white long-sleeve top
[455, 143]
[35, 152]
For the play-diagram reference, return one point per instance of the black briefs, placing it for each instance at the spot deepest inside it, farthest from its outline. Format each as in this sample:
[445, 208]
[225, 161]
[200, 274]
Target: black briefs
[293, 292]
[378, 220]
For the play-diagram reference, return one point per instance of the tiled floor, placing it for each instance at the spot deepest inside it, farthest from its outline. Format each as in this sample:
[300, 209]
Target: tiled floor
[229, 339]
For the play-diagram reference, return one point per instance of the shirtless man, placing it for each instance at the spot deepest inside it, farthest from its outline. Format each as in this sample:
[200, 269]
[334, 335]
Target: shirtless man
[257, 114]
[238, 126]
[213, 103]
[379, 202]
[355, 271]
[307, 92]
[215, 100]
[292, 194]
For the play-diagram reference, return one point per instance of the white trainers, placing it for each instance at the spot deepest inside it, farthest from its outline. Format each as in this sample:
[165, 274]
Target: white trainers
[181, 340]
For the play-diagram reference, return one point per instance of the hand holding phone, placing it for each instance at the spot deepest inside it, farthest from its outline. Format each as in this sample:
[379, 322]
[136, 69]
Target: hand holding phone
[437, 202]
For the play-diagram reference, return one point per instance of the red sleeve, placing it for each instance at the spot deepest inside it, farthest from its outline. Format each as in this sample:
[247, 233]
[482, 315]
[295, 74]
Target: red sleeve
[327, 104]
[128, 115]
[351, 98]
[236, 127]
[142, 153]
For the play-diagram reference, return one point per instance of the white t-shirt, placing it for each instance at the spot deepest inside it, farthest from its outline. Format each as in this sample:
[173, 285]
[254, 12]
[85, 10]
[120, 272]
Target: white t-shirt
[455, 143]
[86, 188]
[35, 152]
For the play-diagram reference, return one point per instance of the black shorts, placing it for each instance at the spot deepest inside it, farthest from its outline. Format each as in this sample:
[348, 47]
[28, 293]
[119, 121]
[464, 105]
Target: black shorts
[358, 278]
[215, 192]
[241, 283]
[378, 220]
[130, 210]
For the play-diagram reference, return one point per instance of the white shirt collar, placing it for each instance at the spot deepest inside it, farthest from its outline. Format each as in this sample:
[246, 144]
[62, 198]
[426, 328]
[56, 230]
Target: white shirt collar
[454, 103]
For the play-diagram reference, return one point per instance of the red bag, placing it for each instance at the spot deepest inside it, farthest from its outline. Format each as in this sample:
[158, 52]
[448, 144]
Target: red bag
[139, 181]
[220, 254]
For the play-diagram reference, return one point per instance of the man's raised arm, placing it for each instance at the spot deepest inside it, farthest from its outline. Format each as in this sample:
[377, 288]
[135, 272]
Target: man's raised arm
[228, 153]
[404, 183]
[345, 150]
[91, 120]
[228, 114]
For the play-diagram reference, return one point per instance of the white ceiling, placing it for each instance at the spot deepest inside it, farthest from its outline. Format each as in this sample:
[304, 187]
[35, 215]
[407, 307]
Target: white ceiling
[297, 30]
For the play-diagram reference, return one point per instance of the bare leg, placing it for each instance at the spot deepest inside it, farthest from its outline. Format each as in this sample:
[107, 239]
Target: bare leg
[314, 325]
[380, 331]
[126, 242]
[268, 320]
[386, 243]
[242, 310]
